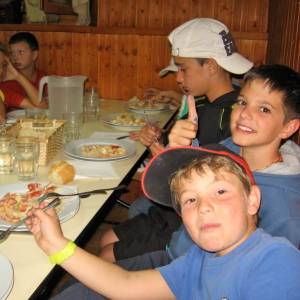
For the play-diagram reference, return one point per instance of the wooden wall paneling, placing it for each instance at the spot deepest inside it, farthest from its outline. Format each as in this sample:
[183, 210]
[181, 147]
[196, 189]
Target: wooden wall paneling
[206, 8]
[263, 15]
[78, 54]
[142, 11]
[92, 59]
[61, 54]
[126, 68]
[155, 14]
[44, 52]
[183, 13]
[242, 15]
[284, 37]
[105, 64]
[144, 63]
[160, 57]
[116, 67]
[238, 16]
[129, 17]
[168, 12]
[223, 11]
[251, 21]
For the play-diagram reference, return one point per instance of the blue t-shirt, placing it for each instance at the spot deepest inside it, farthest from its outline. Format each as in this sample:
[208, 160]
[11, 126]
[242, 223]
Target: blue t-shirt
[279, 214]
[261, 268]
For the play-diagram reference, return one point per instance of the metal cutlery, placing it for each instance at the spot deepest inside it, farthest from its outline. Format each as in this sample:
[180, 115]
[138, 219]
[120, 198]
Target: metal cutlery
[4, 234]
[151, 124]
[122, 137]
[81, 194]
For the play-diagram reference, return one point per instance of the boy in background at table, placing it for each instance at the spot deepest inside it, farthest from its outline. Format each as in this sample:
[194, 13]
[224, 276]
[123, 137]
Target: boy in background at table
[24, 50]
[214, 191]
[205, 56]
[10, 98]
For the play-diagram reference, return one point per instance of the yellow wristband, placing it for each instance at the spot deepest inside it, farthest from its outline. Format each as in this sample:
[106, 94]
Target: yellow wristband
[62, 255]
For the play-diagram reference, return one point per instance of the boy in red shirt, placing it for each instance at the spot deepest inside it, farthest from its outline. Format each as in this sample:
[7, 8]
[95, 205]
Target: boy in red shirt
[23, 54]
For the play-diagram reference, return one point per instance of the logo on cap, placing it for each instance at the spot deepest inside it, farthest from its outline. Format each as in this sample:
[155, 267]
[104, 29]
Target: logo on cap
[229, 45]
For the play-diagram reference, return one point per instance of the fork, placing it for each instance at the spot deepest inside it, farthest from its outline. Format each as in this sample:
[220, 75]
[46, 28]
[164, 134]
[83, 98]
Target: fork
[82, 194]
[4, 234]
[151, 124]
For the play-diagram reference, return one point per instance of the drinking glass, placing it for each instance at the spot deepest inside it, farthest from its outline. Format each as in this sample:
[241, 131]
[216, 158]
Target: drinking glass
[26, 154]
[91, 105]
[6, 155]
[73, 125]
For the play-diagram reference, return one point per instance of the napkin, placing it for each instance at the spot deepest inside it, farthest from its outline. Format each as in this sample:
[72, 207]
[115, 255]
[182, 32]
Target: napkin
[84, 168]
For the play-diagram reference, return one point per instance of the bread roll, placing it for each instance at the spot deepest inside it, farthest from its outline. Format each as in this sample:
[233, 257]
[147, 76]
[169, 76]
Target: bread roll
[61, 172]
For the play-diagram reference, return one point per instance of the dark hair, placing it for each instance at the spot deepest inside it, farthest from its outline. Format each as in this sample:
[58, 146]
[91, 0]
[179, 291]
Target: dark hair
[282, 79]
[26, 37]
[201, 61]
[3, 49]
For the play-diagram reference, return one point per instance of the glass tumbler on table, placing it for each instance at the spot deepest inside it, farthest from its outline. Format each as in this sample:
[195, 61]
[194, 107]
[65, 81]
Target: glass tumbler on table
[91, 105]
[73, 126]
[26, 154]
[6, 155]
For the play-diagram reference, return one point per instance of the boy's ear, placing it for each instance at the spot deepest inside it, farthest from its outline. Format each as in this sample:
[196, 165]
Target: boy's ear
[290, 128]
[211, 65]
[254, 200]
[35, 55]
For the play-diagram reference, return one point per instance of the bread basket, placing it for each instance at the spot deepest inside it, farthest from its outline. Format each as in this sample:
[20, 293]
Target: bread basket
[49, 132]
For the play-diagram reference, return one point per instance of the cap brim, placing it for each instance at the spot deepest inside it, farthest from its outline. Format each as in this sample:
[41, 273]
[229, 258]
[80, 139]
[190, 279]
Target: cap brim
[235, 63]
[155, 179]
[166, 70]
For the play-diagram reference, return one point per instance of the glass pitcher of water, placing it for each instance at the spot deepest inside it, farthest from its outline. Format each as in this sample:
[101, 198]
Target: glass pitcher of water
[65, 94]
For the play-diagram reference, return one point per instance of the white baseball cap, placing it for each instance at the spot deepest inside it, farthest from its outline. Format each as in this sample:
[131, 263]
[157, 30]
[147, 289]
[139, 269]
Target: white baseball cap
[208, 38]
[170, 68]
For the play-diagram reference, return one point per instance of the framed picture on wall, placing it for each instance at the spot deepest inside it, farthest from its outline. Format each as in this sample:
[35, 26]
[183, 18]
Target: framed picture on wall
[59, 7]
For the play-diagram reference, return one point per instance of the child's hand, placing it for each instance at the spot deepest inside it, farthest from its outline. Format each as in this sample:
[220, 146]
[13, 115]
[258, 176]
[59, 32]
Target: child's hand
[156, 148]
[134, 135]
[46, 229]
[149, 134]
[184, 131]
[11, 72]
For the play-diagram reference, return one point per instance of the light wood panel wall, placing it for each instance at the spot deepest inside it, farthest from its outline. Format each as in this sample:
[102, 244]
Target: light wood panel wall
[124, 54]
[284, 33]
[284, 36]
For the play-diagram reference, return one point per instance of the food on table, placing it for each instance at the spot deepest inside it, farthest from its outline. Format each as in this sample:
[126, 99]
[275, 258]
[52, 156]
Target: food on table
[148, 104]
[14, 206]
[61, 172]
[128, 120]
[102, 151]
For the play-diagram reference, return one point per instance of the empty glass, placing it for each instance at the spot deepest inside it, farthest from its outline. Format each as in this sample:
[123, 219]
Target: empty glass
[6, 155]
[73, 126]
[26, 154]
[91, 105]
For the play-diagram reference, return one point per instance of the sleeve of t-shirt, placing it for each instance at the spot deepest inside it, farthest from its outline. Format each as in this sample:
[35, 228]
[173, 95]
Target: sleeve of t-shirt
[175, 272]
[275, 276]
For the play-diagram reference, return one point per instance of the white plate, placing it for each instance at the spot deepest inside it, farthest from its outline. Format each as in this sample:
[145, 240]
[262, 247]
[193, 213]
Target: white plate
[109, 121]
[14, 115]
[133, 106]
[73, 149]
[6, 277]
[147, 110]
[67, 209]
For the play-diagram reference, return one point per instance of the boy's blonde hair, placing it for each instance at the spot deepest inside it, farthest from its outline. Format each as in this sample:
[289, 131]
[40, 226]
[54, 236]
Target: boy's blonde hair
[216, 164]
